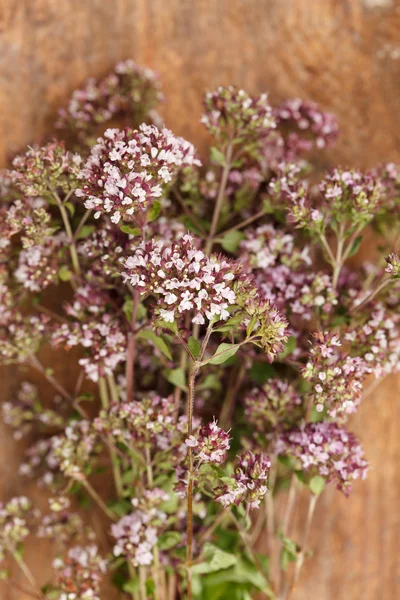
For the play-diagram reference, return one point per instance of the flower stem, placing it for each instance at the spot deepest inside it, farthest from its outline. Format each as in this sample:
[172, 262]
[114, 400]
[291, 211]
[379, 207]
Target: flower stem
[142, 583]
[99, 501]
[68, 230]
[220, 197]
[189, 553]
[113, 454]
[301, 555]
[28, 574]
[130, 358]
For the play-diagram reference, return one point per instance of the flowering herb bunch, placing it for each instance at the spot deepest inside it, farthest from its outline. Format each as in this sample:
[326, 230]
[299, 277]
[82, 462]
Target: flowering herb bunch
[217, 338]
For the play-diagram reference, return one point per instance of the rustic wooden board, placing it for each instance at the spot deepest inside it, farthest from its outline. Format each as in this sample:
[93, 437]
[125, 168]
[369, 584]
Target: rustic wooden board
[344, 54]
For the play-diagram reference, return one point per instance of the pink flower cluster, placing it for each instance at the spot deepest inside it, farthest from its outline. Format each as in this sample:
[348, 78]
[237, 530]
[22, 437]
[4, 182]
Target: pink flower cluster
[136, 537]
[377, 341]
[232, 113]
[327, 450]
[71, 451]
[393, 265]
[38, 265]
[44, 170]
[211, 444]
[94, 328]
[249, 482]
[128, 88]
[15, 518]
[307, 124]
[336, 378]
[20, 335]
[128, 169]
[150, 421]
[284, 275]
[273, 405]
[79, 574]
[30, 218]
[183, 279]
[352, 193]
[26, 411]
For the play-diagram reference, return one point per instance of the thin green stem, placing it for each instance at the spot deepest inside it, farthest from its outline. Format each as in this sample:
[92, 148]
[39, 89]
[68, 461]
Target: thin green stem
[339, 256]
[142, 583]
[28, 574]
[70, 235]
[82, 222]
[220, 197]
[99, 501]
[301, 555]
[105, 402]
[244, 223]
[130, 357]
[243, 534]
[189, 552]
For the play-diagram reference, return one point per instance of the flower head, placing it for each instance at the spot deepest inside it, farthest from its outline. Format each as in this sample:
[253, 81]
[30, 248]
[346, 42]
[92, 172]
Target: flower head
[79, 574]
[128, 169]
[327, 450]
[249, 482]
[234, 114]
[183, 279]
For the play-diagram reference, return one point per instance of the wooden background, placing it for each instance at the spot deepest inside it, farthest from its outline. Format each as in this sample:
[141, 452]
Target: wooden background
[344, 54]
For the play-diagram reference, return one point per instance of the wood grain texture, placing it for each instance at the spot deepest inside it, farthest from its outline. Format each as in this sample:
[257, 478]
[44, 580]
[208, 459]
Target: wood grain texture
[344, 54]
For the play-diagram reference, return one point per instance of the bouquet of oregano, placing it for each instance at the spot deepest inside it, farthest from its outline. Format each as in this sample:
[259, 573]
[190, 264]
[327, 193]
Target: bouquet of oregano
[218, 337]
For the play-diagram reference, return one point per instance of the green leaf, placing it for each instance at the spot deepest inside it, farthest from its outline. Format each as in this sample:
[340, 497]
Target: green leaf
[130, 230]
[224, 351]
[211, 382]
[70, 207]
[169, 539]
[85, 232]
[260, 372]
[217, 157]
[154, 211]
[131, 586]
[216, 560]
[251, 325]
[230, 242]
[157, 340]
[166, 325]
[64, 273]
[230, 324]
[289, 347]
[194, 346]
[317, 485]
[176, 377]
[355, 246]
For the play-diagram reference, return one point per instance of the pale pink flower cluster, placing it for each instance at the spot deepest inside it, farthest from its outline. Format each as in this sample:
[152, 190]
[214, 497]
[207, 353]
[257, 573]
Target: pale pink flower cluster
[183, 279]
[336, 378]
[327, 450]
[136, 538]
[128, 88]
[95, 329]
[231, 112]
[308, 125]
[128, 169]
[211, 444]
[248, 483]
[80, 573]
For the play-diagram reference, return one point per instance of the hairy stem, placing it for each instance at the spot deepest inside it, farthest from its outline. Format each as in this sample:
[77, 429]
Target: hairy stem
[189, 553]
